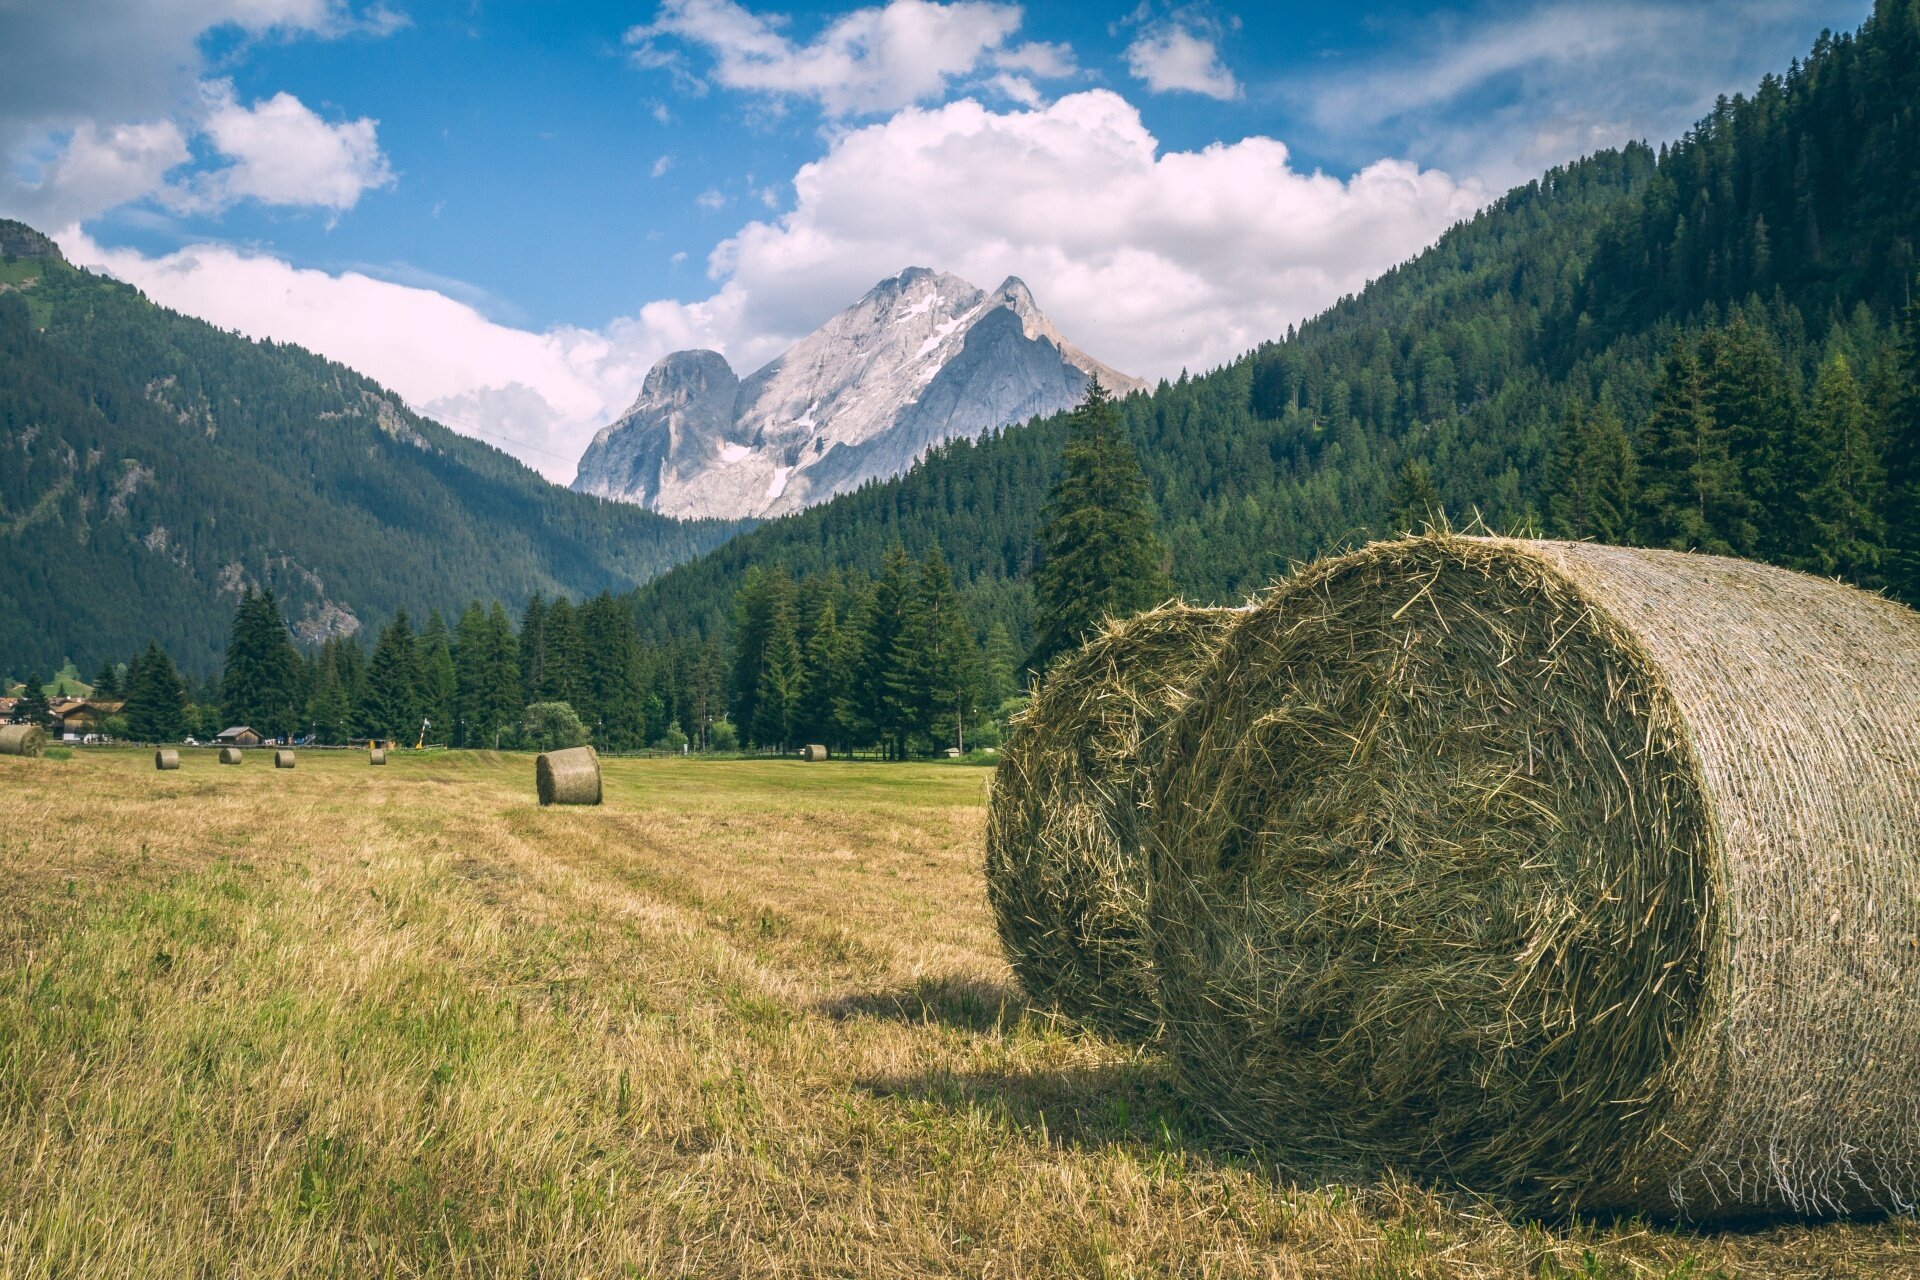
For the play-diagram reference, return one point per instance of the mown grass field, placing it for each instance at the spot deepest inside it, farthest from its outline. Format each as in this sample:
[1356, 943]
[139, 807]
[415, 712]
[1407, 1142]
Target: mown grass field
[746, 1019]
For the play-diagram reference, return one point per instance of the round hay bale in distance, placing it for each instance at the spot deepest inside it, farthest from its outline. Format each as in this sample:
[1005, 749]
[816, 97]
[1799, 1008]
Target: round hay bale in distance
[1066, 871]
[1583, 875]
[166, 758]
[813, 751]
[22, 740]
[283, 759]
[568, 777]
[377, 755]
[230, 755]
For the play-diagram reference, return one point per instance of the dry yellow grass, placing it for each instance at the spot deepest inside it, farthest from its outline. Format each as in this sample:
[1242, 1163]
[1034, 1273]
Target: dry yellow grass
[744, 1019]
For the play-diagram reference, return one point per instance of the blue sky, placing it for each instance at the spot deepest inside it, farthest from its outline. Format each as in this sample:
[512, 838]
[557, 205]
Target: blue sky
[508, 211]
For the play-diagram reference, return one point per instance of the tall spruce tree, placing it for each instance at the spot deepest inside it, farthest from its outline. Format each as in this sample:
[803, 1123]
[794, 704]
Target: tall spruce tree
[261, 683]
[329, 701]
[1748, 392]
[1592, 476]
[1415, 503]
[533, 652]
[934, 677]
[1100, 556]
[1844, 502]
[781, 684]
[391, 708]
[1690, 497]
[884, 610]
[106, 685]
[438, 683]
[615, 689]
[826, 685]
[752, 617]
[1902, 444]
[156, 707]
[499, 707]
[564, 656]
[999, 679]
[32, 707]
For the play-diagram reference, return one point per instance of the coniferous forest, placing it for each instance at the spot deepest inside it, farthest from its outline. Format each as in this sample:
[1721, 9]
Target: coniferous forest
[1713, 345]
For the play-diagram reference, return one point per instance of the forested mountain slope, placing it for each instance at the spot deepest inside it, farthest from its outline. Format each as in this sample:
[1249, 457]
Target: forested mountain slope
[1786, 218]
[152, 466]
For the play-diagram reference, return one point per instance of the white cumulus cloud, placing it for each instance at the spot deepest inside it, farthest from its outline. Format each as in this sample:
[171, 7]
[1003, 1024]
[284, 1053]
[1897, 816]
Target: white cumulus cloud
[868, 60]
[281, 152]
[1170, 58]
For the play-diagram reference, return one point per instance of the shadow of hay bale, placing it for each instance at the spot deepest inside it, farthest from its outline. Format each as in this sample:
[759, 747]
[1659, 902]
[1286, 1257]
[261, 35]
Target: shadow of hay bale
[961, 1003]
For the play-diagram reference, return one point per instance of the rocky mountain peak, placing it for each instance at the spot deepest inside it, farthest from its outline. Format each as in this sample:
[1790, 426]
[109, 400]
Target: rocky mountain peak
[922, 358]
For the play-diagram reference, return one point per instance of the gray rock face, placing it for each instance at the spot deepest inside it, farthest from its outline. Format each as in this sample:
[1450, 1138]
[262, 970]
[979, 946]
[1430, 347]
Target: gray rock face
[924, 358]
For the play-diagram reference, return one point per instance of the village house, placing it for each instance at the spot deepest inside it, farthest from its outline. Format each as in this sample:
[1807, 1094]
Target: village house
[238, 736]
[75, 718]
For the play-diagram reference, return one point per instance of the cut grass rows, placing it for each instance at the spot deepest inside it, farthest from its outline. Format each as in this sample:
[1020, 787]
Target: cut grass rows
[743, 1019]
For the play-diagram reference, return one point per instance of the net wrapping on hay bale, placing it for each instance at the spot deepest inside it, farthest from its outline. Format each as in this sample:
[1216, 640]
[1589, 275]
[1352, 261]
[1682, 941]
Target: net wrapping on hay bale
[22, 740]
[230, 755]
[283, 759]
[568, 777]
[166, 758]
[377, 755]
[1581, 874]
[1065, 862]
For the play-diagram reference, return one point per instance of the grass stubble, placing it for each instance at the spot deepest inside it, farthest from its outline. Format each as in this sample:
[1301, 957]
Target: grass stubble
[744, 1019]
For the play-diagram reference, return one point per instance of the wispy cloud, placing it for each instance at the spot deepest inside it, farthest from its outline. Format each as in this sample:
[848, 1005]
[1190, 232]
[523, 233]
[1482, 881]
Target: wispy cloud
[1510, 93]
[865, 61]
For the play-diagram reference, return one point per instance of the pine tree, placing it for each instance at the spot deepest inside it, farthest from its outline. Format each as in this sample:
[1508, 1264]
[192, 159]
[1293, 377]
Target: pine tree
[1416, 504]
[999, 682]
[533, 653]
[106, 685]
[1690, 498]
[1100, 557]
[156, 708]
[262, 681]
[1849, 485]
[752, 618]
[392, 705]
[1901, 433]
[1592, 476]
[884, 611]
[564, 674]
[500, 706]
[1753, 409]
[32, 707]
[438, 684]
[782, 683]
[615, 693]
[330, 704]
[826, 684]
[934, 677]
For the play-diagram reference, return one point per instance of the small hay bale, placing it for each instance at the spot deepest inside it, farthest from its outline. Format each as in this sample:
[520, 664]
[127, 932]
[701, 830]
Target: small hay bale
[1586, 876]
[813, 751]
[166, 758]
[568, 777]
[230, 755]
[22, 740]
[377, 755]
[283, 759]
[1065, 871]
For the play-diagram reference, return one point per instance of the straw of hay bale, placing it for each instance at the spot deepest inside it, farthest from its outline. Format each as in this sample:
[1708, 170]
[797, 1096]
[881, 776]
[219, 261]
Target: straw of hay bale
[22, 740]
[166, 758]
[568, 777]
[377, 755]
[230, 755]
[1584, 875]
[283, 759]
[1065, 871]
[813, 751]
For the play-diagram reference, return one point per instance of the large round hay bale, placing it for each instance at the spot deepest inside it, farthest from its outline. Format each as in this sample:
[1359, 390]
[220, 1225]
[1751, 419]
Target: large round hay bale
[1065, 868]
[568, 777]
[1583, 875]
[377, 755]
[22, 740]
[813, 752]
[230, 755]
[166, 758]
[283, 759]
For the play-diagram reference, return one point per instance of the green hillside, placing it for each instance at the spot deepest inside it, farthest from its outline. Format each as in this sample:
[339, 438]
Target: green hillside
[153, 466]
[1775, 236]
